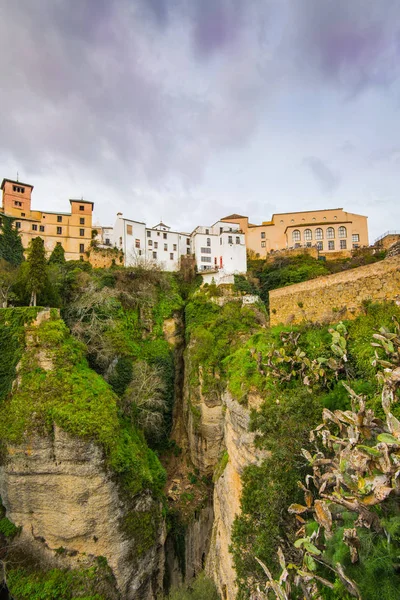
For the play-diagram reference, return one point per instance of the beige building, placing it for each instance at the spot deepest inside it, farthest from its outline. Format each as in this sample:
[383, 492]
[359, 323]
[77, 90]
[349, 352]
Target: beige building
[329, 230]
[73, 230]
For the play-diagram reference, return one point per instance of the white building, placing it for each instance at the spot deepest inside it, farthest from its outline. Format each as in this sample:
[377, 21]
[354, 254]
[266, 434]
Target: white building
[220, 248]
[152, 245]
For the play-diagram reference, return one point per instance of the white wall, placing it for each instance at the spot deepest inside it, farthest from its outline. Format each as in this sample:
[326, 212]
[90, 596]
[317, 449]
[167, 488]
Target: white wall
[127, 241]
[166, 244]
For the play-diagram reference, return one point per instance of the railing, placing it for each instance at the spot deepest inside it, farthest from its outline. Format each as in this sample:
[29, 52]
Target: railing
[394, 232]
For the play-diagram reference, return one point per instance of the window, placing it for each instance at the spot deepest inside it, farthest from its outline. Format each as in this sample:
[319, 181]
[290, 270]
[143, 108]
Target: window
[230, 239]
[342, 232]
[59, 219]
[263, 235]
[59, 230]
[81, 247]
[148, 233]
[205, 250]
[262, 244]
[187, 250]
[331, 245]
[220, 241]
[175, 247]
[330, 233]
[296, 237]
[82, 220]
[81, 207]
[355, 237]
[308, 244]
[34, 227]
[41, 228]
[165, 247]
[221, 229]
[237, 239]
[208, 241]
[307, 235]
[151, 242]
[17, 188]
[343, 244]
[17, 203]
[129, 229]
[140, 253]
[81, 232]
[155, 244]
[206, 259]
[320, 246]
[18, 224]
[154, 254]
[137, 243]
[22, 214]
[164, 236]
[171, 256]
[319, 234]
[207, 231]
[108, 243]
[158, 233]
[81, 258]
[187, 242]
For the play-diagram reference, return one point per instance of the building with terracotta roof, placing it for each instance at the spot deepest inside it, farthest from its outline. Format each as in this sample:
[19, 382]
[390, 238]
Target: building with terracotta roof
[329, 230]
[73, 230]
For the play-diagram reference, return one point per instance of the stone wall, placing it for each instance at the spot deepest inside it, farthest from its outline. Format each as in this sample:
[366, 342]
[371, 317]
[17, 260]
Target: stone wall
[335, 297]
[102, 258]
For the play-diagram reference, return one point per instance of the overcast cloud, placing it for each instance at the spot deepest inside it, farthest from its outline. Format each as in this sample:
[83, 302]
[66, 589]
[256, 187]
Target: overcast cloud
[193, 109]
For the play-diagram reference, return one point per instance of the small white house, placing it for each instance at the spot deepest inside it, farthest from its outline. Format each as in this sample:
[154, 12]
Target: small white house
[165, 247]
[220, 247]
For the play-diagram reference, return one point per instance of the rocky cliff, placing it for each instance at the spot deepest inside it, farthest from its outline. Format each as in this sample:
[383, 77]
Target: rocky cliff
[68, 505]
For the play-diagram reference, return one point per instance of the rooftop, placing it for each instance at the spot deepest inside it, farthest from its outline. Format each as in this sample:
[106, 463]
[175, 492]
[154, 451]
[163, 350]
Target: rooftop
[16, 182]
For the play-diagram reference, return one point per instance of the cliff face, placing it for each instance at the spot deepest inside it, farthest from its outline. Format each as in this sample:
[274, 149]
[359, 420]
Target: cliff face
[239, 444]
[57, 489]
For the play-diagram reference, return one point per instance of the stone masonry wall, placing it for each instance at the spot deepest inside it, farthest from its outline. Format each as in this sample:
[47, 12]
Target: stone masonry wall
[335, 297]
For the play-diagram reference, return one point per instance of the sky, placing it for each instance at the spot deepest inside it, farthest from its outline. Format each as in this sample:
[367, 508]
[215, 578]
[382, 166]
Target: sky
[190, 110]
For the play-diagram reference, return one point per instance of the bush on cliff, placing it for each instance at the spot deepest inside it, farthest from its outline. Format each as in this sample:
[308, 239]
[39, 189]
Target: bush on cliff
[57, 386]
[282, 425]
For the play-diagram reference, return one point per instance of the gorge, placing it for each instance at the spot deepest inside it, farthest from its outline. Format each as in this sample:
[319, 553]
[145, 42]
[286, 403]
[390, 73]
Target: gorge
[97, 503]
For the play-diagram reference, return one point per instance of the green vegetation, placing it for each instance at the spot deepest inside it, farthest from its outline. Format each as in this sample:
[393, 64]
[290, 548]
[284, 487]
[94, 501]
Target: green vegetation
[281, 270]
[11, 249]
[85, 584]
[202, 588]
[213, 332]
[36, 275]
[7, 528]
[220, 468]
[294, 400]
[57, 257]
[80, 402]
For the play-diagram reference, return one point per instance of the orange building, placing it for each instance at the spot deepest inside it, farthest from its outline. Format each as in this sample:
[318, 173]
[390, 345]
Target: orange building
[72, 230]
[329, 230]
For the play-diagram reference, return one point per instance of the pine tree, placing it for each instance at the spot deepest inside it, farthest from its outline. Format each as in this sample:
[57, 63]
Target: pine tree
[37, 273]
[11, 248]
[57, 257]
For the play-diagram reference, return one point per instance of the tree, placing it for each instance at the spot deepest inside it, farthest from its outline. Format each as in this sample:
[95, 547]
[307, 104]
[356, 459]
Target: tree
[57, 257]
[36, 272]
[11, 248]
[8, 276]
[144, 401]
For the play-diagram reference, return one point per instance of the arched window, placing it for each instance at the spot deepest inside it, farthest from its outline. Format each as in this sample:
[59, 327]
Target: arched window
[307, 235]
[296, 237]
[319, 234]
[342, 231]
[330, 233]
[208, 241]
